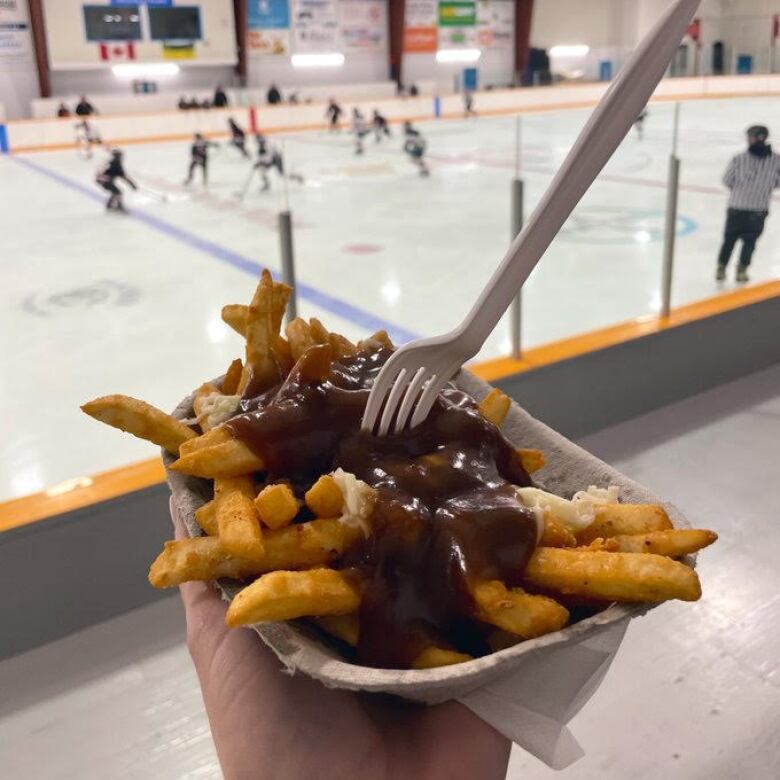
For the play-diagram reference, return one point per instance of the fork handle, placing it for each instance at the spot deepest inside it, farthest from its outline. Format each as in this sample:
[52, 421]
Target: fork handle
[598, 140]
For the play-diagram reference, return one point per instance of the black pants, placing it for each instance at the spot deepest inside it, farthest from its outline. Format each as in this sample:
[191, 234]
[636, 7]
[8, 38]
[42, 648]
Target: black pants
[196, 164]
[116, 194]
[745, 225]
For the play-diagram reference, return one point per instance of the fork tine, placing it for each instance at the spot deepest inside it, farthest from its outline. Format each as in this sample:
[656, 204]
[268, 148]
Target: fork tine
[426, 400]
[409, 399]
[376, 399]
[431, 392]
[391, 404]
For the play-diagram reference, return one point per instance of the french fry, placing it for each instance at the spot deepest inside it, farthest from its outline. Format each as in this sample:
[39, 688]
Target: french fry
[628, 519]
[276, 505]
[379, 337]
[261, 336]
[140, 419]
[232, 377]
[347, 628]
[433, 657]
[280, 296]
[283, 355]
[237, 521]
[300, 337]
[612, 576]
[674, 543]
[304, 545]
[342, 346]
[314, 365]
[343, 627]
[231, 459]
[215, 436]
[206, 518]
[555, 534]
[285, 595]
[324, 497]
[318, 331]
[198, 558]
[494, 406]
[242, 484]
[516, 611]
[235, 316]
[532, 460]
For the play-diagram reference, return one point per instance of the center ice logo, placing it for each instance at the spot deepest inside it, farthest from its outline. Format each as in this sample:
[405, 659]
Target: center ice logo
[104, 292]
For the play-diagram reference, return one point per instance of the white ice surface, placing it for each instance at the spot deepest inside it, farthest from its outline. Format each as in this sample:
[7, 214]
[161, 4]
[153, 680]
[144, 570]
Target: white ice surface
[96, 303]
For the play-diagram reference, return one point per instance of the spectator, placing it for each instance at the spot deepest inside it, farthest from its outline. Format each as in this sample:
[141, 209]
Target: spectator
[752, 177]
[183, 104]
[220, 98]
[413, 91]
[63, 111]
[274, 96]
[205, 104]
[84, 107]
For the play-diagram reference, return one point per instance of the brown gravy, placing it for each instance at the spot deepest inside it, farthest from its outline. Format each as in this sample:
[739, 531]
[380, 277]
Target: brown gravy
[446, 512]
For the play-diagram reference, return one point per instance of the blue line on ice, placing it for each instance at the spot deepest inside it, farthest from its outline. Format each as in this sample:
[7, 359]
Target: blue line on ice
[370, 322]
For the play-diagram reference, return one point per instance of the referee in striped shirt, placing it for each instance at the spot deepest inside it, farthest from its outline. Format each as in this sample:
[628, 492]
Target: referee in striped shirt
[751, 177]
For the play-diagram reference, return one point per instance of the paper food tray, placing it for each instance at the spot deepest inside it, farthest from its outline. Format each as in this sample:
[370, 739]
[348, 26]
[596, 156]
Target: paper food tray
[527, 692]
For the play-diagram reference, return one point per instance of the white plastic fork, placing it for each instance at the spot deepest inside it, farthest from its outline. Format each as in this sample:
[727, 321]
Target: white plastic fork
[406, 387]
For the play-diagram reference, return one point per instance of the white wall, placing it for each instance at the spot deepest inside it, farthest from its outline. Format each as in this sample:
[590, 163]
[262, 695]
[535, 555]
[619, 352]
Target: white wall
[358, 68]
[613, 27]
[103, 81]
[18, 74]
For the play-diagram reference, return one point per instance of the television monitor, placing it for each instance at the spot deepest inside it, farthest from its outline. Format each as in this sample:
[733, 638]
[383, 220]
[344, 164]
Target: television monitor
[112, 22]
[175, 23]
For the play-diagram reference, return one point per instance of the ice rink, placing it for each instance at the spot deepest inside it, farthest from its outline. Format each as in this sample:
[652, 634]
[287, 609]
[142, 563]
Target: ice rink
[376, 247]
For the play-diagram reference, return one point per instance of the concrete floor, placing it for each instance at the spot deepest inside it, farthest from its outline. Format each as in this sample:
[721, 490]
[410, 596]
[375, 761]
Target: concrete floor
[101, 304]
[692, 695]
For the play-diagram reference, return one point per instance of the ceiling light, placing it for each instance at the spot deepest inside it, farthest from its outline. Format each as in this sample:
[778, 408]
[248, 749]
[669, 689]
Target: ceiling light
[577, 50]
[334, 60]
[137, 70]
[458, 55]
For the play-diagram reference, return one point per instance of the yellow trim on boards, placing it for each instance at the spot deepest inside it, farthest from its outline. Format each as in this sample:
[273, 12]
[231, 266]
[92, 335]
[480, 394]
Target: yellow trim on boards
[536, 357]
[81, 492]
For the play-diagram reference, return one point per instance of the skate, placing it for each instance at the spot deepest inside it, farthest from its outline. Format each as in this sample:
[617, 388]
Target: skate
[720, 274]
[742, 275]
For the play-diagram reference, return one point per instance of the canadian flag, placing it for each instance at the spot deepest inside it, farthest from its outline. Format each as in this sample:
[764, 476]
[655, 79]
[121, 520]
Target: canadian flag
[117, 51]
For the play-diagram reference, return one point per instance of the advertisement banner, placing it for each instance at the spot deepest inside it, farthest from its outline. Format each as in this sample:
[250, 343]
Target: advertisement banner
[268, 26]
[457, 13]
[363, 24]
[316, 26]
[420, 34]
[16, 51]
[495, 24]
[458, 37]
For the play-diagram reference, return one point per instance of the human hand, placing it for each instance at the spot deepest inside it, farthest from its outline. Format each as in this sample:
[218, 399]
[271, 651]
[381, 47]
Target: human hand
[268, 724]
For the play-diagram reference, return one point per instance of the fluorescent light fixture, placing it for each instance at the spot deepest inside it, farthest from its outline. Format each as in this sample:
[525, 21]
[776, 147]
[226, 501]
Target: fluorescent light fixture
[138, 70]
[576, 50]
[458, 55]
[333, 60]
